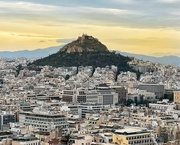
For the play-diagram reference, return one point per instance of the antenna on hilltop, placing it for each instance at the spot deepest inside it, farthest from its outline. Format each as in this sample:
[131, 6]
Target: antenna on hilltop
[84, 34]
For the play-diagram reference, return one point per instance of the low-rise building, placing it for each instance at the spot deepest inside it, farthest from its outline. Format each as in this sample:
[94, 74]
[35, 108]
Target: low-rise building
[81, 140]
[25, 140]
[133, 135]
[44, 121]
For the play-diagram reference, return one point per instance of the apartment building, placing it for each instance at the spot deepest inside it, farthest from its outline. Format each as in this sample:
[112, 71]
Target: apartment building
[81, 140]
[156, 88]
[44, 121]
[162, 106]
[177, 99]
[6, 118]
[132, 135]
[103, 95]
[25, 140]
[122, 93]
[5, 135]
[89, 108]
[69, 95]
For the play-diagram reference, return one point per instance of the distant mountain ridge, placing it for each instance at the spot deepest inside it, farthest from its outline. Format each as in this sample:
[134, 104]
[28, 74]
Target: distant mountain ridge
[166, 60]
[85, 51]
[37, 53]
[40, 53]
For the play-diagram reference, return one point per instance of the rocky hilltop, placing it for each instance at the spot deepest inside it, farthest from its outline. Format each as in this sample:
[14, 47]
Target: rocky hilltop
[84, 43]
[85, 51]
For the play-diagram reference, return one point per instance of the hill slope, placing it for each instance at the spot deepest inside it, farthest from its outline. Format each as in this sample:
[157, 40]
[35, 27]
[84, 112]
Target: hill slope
[96, 55]
[84, 43]
[39, 53]
[166, 60]
[85, 59]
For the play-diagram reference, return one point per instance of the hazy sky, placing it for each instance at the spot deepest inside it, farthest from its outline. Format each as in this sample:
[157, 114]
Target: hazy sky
[140, 26]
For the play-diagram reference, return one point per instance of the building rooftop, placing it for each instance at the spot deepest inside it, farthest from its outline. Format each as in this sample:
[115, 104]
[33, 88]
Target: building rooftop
[131, 131]
[25, 138]
[47, 114]
[2, 133]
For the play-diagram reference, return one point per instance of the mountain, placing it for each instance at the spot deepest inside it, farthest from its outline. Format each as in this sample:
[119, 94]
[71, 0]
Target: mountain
[86, 51]
[167, 60]
[84, 43]
[38, 53]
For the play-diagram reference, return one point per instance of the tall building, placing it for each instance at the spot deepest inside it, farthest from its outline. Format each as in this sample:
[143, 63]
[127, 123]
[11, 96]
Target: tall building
[122, 93]
[89, 108]
[69, 95]
[156, 88]
[107, 96]
[83, 108]
[6, 118]
[101, 95]
[177, 99]
[44, 121]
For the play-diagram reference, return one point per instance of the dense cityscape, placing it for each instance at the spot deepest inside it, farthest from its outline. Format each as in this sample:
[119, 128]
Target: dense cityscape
[76, 106]
[89, 72]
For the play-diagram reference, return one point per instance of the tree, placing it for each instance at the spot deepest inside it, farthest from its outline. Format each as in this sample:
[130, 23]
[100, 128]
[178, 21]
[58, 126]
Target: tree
[146, 102]
[141, 99]
[67, 77]
[136, 101]
[19, 68]
[169, 96]
[129, 102]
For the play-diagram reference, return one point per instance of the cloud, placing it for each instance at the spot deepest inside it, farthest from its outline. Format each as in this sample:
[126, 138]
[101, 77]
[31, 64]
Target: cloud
[26, 9]
[142, 14]
[167, 1]
[65, 40]
[124, 1]
[108, 10]
[42, 41]
[28, 6]
[35, 36]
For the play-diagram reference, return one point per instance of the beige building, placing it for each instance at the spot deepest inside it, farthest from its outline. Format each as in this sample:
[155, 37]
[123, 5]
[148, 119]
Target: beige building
[6, 138]
[25, 140]
[131, 136]
[177, 99]
[7, 141]
[81, 140]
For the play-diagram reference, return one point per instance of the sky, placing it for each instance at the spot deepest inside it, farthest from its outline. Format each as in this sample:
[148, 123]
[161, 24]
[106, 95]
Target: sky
[150, 27]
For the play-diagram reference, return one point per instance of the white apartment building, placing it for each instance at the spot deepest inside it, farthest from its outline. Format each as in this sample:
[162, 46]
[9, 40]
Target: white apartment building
[102, 96]
[162, 106]
[44, 121]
